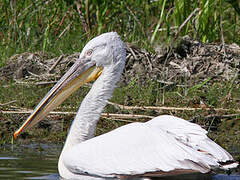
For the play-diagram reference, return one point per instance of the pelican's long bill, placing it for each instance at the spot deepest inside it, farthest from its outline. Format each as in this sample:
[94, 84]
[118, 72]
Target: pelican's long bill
[81, 72]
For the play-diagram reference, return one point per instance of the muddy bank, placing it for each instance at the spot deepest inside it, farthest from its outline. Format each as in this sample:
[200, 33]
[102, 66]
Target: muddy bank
[189, 61]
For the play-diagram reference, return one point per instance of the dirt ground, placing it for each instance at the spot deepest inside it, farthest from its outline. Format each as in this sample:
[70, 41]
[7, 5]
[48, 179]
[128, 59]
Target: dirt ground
[190, 61]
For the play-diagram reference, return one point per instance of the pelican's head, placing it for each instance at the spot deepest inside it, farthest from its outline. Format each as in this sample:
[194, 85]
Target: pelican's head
[101, 52]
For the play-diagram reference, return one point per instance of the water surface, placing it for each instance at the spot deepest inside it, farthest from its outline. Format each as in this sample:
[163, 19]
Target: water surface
[39, 161]
[34, 161]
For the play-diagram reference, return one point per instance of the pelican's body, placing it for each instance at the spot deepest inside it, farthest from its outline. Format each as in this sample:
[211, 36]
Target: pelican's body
[164, 145]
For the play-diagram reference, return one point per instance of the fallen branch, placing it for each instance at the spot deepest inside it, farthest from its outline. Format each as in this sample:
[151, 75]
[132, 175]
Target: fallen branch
[123, 107]
[10, 102]
[133, 53]
[104, 115]
[121, 120]
[55, 64]
[126, 116]
[216, 116]
[45, 82]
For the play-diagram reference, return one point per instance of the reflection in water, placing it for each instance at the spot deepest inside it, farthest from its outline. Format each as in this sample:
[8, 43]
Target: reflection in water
[29, 161]
[39, 161]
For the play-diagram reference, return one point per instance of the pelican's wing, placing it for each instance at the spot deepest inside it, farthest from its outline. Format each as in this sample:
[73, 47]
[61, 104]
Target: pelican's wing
[192, 135]
[139, 148]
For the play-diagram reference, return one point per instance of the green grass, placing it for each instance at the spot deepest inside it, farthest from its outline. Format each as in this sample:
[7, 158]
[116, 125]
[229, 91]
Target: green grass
[57, 27]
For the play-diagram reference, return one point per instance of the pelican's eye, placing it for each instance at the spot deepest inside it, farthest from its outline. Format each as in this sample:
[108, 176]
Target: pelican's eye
[89, 52]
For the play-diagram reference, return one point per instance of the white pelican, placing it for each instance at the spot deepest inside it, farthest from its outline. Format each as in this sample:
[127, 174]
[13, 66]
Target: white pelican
[164, 145]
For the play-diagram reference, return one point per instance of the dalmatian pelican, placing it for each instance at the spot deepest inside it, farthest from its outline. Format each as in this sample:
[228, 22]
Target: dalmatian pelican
[162, 146]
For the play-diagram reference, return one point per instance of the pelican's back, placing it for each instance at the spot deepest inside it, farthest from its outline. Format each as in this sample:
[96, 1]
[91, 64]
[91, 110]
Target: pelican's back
[164, 144]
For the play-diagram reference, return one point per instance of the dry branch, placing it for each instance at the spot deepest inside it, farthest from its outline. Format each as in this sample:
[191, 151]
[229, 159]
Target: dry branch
[126, 116]
[55, 64]
[45, 82]
[121, 120]
[132, 52]
[123, 107]
[104, 115]
[10, 102]
[216, 116]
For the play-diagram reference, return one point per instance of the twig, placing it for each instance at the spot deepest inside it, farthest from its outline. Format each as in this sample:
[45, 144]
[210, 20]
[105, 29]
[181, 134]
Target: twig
[166, 82]
[132, 52]
[126, 116]
[104, 115]
[170, 108]
[33, 74]
[175, 65]
[21, 82]
[128, 56]
[55, 64]
[121, 120]
[10, 102]
[216, 116]
[67, 28]
[45, 82]
[149, 62]
[186, 21]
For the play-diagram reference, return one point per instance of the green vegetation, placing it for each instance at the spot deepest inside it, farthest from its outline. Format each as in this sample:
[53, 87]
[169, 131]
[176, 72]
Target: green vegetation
[65, 26]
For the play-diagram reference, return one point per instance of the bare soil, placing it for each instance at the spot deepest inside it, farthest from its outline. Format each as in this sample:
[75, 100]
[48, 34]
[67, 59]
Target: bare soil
[189, 61]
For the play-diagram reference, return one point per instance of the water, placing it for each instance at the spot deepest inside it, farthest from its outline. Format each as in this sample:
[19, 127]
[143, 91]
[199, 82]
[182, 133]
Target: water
[34, 161]
[39, 161]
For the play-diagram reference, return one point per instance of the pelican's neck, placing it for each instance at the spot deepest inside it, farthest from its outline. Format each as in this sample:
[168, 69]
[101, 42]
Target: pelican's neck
[84, 124]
